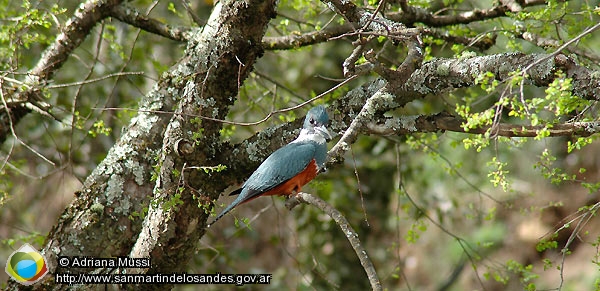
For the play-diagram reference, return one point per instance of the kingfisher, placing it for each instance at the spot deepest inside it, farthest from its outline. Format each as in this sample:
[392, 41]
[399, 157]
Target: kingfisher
[289, 168]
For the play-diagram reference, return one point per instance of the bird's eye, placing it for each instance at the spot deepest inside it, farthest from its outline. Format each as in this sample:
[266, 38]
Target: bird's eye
[312, 121]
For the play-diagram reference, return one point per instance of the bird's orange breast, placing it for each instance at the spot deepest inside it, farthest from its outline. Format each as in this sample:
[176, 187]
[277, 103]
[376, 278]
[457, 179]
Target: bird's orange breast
[295, 184]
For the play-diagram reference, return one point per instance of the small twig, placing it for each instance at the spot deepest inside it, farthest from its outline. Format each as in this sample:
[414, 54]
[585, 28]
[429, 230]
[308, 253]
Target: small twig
[350, 62]
[12, 129]
[93, 80]
[191, 13]
[273, 112]
[362, 200]
[341, 221]
[561, 48]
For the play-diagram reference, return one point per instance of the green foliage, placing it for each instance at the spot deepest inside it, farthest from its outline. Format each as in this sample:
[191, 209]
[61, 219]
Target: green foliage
[524, 272]
[172, 9]
[487, 81]
[497, 276]
[197, 135]
[99, 128]
[287, 117]
[227, 131]
[420, 3]
[544, 244]
[579, 143]
[3, 193]
[499, 174]
[35, 238]
[155, 168]
[110, 36]
[139, 215]
[5, 186]
[169, 203]
[572, 18]
[414, 232]
[207, 207]
[554, 174]
[22, 28]
[244, 222]
[592, 187]
[309, 11]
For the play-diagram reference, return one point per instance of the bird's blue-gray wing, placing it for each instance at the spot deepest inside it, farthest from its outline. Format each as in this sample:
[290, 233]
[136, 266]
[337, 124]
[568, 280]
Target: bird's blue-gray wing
[280, 166]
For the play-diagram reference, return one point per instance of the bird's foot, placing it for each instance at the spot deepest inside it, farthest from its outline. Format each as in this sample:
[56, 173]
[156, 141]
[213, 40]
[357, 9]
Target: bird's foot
[292, 201]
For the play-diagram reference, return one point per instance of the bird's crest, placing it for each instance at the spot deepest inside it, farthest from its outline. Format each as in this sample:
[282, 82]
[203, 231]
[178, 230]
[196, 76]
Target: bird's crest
[317, 116]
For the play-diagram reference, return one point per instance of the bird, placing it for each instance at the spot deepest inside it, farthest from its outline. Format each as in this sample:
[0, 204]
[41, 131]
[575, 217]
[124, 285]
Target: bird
[292, 166]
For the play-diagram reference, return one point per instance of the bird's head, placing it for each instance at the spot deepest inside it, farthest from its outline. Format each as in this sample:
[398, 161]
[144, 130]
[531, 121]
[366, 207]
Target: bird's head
[316, 122]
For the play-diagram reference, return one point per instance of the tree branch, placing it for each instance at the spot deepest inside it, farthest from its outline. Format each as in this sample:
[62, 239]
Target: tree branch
[293, 41]
[347, 229]
[382, 100]
[545, 42]
[73, 34]
[133, 17]
[364, 20]
[411, 14]
[363, 104]
[442, 74]
[444, 121]
[482, 42]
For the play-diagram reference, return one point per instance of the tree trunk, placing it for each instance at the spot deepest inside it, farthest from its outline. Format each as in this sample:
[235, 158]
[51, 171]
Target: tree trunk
[144, 171]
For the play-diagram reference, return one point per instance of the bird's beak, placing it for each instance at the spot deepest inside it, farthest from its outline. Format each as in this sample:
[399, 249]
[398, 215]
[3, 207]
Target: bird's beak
[324, 132]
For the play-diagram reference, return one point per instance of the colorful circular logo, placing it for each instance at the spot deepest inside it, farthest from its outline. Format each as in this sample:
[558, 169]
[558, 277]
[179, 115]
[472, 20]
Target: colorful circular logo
[26, 265]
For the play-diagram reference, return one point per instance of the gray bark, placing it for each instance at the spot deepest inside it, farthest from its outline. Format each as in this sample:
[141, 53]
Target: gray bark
[100, 222]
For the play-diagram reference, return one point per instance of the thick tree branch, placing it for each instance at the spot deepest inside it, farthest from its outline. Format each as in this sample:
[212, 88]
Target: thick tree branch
[417, 14]
[365, 103]
[74, 33]
[347, 229]
[411, 14]
[434, 77]
[442, 74]
[293, 41]
[444, 121]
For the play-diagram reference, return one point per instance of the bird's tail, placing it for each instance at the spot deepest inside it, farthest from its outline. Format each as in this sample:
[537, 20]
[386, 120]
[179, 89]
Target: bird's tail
[233, 204]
